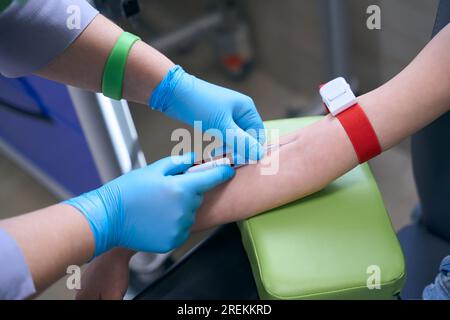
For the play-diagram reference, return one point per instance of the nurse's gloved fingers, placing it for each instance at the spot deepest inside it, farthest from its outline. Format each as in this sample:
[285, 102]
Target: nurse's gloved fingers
[244, 144]
[261, 136]
[200, 182]
[188, 219]
[197, 201]
[219, 151]
[192, 201]
[175, 164]
[249, 120]
[225, 150]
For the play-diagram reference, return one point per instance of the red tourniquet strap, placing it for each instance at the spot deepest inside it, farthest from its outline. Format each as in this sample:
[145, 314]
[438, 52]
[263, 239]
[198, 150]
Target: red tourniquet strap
[360, 132]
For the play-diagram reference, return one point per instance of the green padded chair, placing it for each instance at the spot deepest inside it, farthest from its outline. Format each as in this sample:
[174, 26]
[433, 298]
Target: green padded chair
[322, 246]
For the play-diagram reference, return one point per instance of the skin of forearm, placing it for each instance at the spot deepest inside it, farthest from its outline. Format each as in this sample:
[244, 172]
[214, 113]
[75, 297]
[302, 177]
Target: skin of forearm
[322, 151]
[82, 63]
[304, 168]
[51, 239]
[415, 97]
[107, 276]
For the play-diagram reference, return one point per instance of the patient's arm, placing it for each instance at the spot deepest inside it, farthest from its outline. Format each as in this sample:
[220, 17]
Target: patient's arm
[322, 151]
[305, 166]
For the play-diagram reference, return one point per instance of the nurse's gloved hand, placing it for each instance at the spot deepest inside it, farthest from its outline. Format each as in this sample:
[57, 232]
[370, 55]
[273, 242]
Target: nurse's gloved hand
[188, 99]
[150, 209]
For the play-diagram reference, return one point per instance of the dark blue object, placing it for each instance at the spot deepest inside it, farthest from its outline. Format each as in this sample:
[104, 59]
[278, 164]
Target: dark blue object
[423, 252]
[38, 120]
[440, 289]
[431, 159]
[216, 269]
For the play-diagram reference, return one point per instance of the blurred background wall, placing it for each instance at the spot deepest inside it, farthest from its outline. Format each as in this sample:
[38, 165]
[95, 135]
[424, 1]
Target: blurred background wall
[288, 39]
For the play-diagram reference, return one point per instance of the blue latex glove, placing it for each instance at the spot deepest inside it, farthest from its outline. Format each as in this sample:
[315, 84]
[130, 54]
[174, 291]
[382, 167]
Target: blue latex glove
[188, 99]
[150, 209]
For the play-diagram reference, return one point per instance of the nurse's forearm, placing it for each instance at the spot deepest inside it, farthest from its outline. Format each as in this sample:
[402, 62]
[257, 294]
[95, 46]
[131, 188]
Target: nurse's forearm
[82, 63]
[322, 151]
[51, 239]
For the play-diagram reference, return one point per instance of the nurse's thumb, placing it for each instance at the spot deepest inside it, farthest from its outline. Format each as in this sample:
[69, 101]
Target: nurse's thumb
[206, 180]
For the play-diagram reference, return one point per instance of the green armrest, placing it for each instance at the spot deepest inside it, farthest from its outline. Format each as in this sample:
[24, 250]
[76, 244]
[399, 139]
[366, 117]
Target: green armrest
[327, 245]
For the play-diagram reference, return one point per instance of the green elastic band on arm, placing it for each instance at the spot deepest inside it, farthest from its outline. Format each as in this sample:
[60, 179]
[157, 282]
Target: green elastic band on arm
[114, 72]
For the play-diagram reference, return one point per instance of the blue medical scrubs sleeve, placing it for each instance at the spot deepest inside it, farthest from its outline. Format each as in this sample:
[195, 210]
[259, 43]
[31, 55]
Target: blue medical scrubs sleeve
[15, 277]
[34, 32]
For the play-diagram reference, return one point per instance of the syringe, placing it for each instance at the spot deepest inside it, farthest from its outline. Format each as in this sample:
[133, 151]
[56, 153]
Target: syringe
[209, 165]
[227, 160]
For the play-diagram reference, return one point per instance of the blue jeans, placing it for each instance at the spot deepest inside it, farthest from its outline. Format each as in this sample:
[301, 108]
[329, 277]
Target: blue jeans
[440, 289]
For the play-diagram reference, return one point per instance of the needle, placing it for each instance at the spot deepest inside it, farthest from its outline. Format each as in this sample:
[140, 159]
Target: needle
[226, 161]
